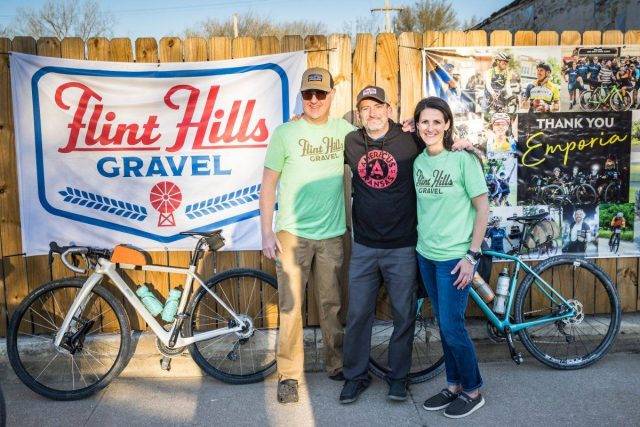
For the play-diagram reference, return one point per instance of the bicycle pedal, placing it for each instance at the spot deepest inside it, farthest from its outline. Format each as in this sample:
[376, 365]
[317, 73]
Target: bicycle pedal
[165, 363]
[517, 358]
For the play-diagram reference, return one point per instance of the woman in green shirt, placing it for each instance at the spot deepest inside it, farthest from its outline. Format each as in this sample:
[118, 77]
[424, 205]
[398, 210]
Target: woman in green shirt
[452, 215]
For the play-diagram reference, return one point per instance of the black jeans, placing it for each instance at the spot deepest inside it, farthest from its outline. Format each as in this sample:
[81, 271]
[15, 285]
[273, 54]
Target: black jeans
[397, 267]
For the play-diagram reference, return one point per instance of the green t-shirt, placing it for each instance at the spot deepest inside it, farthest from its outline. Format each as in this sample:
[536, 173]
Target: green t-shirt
[445, 184]
[310, 159]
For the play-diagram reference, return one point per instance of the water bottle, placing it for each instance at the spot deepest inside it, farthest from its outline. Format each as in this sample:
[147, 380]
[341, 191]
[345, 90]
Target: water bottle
[149, 300]
[502, 291]
[482, 288]
[171, 306]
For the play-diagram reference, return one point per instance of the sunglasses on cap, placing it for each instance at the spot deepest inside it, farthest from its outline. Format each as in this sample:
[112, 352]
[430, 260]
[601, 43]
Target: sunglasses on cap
[307, 95]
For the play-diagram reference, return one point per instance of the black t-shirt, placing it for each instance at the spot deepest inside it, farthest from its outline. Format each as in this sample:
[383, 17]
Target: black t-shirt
[384, 198]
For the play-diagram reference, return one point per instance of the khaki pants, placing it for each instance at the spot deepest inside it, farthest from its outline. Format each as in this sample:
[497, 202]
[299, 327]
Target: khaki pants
[300, 258]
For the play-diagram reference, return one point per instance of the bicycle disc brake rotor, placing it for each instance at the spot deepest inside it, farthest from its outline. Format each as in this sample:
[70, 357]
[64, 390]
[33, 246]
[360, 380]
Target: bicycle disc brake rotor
[579, 316]
[247, 330]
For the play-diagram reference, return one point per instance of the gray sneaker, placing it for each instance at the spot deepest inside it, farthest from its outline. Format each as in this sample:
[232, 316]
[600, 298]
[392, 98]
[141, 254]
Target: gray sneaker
[440, 400]
[463, 406]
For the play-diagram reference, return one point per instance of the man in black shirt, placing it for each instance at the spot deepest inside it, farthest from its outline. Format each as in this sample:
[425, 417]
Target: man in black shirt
[381, 157]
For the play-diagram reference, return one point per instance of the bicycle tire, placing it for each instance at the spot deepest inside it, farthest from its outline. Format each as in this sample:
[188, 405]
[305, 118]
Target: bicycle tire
[552, 194]
[589, 100]
[615, 312]
[586, 194]
[119, 363]
[618, 102]
[611, 192]
[381, 371]
[188, 330]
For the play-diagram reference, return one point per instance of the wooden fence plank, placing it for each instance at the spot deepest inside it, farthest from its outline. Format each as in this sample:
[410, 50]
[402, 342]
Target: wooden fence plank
[14, 268]
[195, 49]
[340, 69]
[627, 282]
[242, 47]
[6, 131]
[570, 38]
[170, 49]
[612, 37]
[98, 49]
[500, 38]
[219, 48]
[476, 38]
[291, 43]
[410, 59]
[387, 68]
[48, 46]
[591, 37]
[267, 45]
[601, 298]
[146, 50]
[524, 38]
[433, 39]
[120, 50]
[548, 38]
[364, 70]
[455, 38]
[72, 48]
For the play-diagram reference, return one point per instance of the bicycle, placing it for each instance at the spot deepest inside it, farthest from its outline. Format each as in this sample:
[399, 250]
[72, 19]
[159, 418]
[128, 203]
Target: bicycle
[577, 191]
[71, 337]
[562, 325]
[593, 99]
[614, 241]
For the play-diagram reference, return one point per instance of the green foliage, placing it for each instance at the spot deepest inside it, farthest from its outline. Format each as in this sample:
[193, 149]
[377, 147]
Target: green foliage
[625, 235]
[609, 210]
[555, 70]
[635, 132]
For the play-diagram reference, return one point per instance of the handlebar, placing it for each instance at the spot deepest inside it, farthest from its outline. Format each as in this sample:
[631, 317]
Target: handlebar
[90, 255]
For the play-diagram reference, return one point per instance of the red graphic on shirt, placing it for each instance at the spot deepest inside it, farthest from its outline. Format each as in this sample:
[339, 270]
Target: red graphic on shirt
[378, 169]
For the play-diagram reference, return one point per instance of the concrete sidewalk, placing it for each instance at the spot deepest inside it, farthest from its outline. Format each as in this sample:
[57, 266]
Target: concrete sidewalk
[531, 394]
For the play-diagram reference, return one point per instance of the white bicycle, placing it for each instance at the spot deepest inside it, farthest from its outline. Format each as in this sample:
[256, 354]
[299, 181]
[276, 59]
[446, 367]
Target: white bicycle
[71, 337]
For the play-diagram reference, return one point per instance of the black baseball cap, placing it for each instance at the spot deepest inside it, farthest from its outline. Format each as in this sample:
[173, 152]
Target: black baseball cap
[372, 92]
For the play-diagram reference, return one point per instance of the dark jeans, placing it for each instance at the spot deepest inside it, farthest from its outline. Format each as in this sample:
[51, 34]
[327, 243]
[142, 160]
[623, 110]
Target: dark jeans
[397, 267]
[449, 305]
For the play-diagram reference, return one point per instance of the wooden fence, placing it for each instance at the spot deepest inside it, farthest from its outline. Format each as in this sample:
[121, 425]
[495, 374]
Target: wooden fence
[390, 61]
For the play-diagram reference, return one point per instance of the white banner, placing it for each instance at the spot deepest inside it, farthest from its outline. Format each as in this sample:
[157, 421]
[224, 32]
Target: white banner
[136, 153]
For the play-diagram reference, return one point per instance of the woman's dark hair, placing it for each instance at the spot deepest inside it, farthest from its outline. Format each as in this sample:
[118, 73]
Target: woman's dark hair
[442, 106]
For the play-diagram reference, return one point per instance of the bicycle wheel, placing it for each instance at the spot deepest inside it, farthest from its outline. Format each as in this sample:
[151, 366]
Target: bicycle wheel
[586, 194]
[243, 357]
[589, 101]
[620, 102]
[575, 342]
[94, 351]
[612, 192]
[552, 194]
[427, 357]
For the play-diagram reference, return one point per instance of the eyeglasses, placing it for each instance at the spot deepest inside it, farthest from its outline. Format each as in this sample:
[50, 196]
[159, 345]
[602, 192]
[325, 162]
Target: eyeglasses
[320, 95]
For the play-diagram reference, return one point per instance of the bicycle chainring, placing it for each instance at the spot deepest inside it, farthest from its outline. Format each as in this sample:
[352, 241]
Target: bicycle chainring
[495, 335]
[166, 351]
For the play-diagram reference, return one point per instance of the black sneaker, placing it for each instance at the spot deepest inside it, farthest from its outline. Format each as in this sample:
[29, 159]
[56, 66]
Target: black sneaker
[463, 406]
[338, 376]
[440, 400]
[352, 389]
[397, 390]
[288, 391]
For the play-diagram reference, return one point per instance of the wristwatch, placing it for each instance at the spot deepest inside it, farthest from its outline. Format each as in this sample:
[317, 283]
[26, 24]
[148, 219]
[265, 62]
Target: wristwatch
[475, 255]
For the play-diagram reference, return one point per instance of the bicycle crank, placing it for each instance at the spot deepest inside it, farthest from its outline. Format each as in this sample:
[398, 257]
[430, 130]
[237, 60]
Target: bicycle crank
[515, 356]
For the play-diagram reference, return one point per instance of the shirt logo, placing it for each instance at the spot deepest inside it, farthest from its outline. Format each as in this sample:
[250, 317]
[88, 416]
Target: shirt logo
[330, 148]
[378, 169]
[433, 184]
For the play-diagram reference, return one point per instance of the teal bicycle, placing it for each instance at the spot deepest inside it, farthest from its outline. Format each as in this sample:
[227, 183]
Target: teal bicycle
[565, 312]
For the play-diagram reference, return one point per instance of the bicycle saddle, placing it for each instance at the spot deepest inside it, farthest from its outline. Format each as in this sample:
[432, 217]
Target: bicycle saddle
[529, 218]
[213, 238]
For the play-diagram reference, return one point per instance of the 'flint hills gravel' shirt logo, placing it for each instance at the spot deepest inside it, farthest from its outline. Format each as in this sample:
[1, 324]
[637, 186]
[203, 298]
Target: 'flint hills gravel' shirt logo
[378, 169]
[434, 184]
[329, 149]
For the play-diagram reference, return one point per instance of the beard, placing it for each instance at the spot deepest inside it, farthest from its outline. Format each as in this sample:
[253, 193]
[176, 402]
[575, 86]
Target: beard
[374, 125]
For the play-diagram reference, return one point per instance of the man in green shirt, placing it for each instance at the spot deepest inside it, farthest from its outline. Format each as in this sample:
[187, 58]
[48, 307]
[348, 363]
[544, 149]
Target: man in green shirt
[305, 162]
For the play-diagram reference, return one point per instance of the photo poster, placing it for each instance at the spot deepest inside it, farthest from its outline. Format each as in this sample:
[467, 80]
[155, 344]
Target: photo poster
[559, 133]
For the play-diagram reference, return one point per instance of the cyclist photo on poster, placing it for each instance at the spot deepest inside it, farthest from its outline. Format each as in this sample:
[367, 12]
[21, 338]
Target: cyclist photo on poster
[616, 231]
[600, 78]
[580, 230]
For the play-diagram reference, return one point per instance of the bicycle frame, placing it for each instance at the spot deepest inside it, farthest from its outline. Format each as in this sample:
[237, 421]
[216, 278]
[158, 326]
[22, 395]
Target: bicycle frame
[505, 323]
[107, 268]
